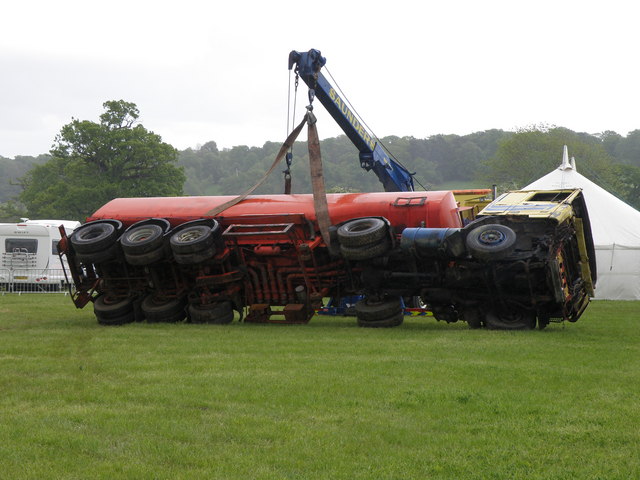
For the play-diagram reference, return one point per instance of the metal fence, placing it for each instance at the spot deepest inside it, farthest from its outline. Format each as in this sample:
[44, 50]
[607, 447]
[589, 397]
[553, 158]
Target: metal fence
[32, 280]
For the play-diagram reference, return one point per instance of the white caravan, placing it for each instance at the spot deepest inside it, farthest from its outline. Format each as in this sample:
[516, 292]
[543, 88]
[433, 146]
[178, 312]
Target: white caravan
[29, 254]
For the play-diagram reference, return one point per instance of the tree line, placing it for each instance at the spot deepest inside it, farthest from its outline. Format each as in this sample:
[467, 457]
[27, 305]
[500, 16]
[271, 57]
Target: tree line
[93, 162]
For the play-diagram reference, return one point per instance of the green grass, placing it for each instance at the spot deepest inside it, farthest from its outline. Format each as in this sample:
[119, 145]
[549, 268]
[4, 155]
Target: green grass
[326, 400]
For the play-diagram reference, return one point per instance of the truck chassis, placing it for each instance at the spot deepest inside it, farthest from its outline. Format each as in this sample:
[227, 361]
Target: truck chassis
[527, 260]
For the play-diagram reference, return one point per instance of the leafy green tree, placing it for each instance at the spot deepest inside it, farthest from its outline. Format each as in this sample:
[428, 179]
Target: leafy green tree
[203, 169]
[612, 142]
[12, 170]
[628, 184]
[628, 149]
[11, 212]
[92, 163]
[529, 154]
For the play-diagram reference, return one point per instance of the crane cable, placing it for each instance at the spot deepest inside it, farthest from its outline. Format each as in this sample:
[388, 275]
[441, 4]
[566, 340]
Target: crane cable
[373, 135]
[292, 116]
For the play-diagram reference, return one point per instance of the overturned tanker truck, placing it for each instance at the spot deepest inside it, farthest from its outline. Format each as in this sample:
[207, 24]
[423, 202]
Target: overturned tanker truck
[528, 258]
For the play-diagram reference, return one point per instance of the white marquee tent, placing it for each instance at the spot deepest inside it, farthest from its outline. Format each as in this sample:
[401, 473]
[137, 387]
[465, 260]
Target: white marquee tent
[616, 232]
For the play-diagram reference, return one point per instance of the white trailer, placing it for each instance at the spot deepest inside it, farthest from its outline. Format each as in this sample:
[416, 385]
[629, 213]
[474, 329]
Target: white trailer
[29, 259]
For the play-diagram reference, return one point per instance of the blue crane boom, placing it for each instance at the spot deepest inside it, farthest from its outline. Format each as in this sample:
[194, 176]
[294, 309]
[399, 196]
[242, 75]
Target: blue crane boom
[393, 176]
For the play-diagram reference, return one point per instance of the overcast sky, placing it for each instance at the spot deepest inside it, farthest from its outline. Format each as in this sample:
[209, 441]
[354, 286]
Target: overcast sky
[208, 70]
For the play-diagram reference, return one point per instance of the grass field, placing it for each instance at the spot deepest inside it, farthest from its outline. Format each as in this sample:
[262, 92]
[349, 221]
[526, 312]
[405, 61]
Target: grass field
[327, 400]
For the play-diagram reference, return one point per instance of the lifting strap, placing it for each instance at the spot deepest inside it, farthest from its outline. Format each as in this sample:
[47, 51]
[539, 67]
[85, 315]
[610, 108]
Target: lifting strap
[317, 180]
[283, 150]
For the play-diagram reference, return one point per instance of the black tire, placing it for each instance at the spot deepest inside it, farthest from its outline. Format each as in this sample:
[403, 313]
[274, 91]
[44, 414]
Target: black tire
[362, 231]
[491, 242]
[145, 258]
[365, 252]
[173, 318]
[121, 320]
[103, 256]
[512, 320]
[93, 237]
[445, 313]
[195, 258]
[142, 239]
[543, 321]
[367, 310]
[107, 306]
[473, 317]
[192, 239]
[389, 322]
[137, 309]
[217, 313]
[163, 310]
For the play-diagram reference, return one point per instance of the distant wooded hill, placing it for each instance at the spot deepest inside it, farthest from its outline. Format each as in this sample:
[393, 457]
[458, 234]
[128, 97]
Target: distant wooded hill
[12, 170]
[437, 160]
[451, 161]
[508, 159]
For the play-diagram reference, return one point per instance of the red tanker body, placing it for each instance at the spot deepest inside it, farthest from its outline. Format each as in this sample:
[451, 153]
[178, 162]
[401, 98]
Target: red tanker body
[436, 209]
[265, 254]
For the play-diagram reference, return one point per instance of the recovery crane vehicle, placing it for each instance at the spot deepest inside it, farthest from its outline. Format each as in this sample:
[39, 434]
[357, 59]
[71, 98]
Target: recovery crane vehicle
[528, 259]
[393, 176]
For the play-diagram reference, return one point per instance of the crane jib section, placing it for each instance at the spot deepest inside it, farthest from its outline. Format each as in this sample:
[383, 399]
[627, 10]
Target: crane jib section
[348, 114]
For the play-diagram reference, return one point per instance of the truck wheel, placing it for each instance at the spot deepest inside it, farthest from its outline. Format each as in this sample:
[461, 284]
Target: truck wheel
[491, 241]
[472, 317]
[216, 313]
[110, 253]
[145, 258]
[163, 310]
[362, 231]
[193, 239]
[93, 237]
[512, 320]
[392, 321]
[108, 306]
[142, 239]
[196, 257]
[365, 252]
[543, 321]
[368, 310]
[121, 320]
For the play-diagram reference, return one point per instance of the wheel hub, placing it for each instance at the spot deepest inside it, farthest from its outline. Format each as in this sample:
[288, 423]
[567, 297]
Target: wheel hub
[189, 236]
[491, 237]
[141, 235]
